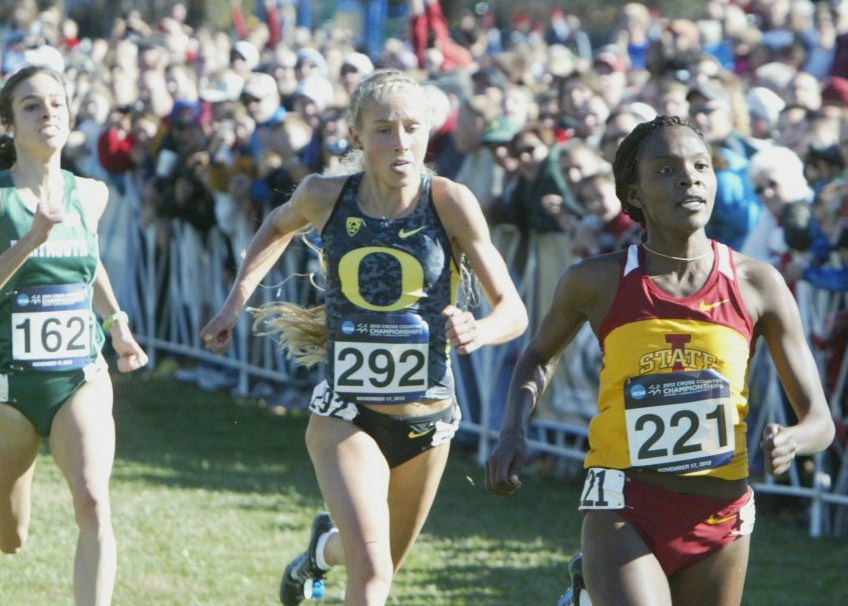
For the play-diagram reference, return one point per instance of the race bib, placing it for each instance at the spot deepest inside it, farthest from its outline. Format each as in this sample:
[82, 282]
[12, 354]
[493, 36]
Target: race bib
[603, 489]
[325, 403]
[679, 422]
[381, 360]
[51, 327]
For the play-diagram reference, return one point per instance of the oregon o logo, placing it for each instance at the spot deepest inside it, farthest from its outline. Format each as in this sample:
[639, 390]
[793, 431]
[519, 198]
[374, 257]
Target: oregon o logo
[412, 278]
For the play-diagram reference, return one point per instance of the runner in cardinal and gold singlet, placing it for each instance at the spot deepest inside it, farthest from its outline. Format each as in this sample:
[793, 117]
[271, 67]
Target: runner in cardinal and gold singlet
[673, 392]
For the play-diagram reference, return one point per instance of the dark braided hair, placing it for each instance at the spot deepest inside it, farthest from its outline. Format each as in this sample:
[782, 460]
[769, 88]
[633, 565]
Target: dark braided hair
[626, 165]
[7, 118]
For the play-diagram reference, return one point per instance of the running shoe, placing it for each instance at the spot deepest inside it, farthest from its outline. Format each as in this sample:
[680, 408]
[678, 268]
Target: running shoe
[303, 579]
[576, 594]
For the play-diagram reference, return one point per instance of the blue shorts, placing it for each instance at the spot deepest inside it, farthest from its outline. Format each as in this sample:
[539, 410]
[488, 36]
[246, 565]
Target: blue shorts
[399, 438]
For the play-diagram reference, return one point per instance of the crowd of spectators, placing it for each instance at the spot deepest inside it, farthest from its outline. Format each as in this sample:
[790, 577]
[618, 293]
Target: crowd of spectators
[215, 127]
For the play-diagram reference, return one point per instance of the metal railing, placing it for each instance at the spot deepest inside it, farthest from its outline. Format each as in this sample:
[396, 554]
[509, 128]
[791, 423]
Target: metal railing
[173, 278]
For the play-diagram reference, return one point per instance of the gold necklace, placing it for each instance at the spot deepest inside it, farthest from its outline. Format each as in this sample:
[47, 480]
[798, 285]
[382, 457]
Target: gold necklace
[684, 259]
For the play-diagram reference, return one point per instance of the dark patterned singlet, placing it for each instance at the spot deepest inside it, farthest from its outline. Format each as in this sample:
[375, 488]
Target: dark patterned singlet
[387, 284]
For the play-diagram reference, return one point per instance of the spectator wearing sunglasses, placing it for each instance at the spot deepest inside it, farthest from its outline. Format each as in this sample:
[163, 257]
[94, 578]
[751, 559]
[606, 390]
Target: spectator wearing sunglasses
[779, 181]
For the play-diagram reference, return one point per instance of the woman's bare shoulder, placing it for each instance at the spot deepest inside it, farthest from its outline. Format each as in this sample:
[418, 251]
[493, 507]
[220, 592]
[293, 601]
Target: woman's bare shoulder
[321, 188]
[316, 196]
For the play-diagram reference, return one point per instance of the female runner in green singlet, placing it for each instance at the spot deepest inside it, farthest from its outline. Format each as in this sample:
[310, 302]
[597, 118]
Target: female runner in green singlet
[54, 382]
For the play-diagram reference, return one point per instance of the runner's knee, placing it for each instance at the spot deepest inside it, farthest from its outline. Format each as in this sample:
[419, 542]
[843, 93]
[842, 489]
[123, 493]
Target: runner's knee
[91, 508]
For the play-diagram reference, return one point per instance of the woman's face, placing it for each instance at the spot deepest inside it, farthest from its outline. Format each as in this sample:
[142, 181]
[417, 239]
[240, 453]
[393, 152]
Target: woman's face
[676, 183]
[598, 196]
[530, 151]
[768, 185]
[41, 115]
[393, 135]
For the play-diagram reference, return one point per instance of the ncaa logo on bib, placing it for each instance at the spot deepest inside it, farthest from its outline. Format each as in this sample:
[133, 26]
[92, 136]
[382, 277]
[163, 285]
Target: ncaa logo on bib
[637, 392]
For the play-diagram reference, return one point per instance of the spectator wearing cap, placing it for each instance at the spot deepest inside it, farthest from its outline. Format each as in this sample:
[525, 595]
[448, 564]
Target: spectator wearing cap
[804, 90]
[737, 207]
[834, 96]
[261, 97]
[711, 108]
[244, 57]
[188, 126]
[313, 96]
[355, 66]
[498, 133]
[764, 107]
[619, 123]
[311, 62]
[775, 75]
[611, 71]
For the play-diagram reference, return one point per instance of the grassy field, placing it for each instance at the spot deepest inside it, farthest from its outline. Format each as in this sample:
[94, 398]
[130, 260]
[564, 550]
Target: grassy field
[212, 496]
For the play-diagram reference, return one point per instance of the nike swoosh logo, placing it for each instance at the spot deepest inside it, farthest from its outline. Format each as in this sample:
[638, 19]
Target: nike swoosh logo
[714, 520]
[704, 306]
[405, 234]
[412, 435]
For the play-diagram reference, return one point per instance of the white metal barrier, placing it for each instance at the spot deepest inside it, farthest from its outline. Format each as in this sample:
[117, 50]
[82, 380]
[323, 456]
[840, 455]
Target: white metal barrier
[170, 286]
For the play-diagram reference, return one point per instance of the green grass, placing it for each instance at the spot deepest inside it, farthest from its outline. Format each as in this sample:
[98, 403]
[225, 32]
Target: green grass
[211, 497]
